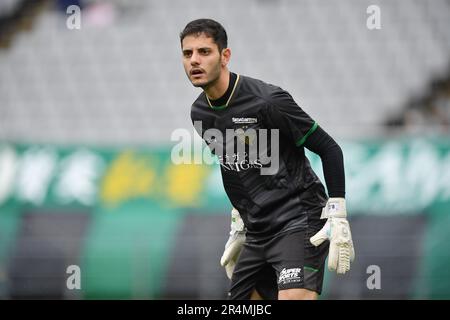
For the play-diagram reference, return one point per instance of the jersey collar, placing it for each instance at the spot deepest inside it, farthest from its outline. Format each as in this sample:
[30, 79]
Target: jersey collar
[229, 99]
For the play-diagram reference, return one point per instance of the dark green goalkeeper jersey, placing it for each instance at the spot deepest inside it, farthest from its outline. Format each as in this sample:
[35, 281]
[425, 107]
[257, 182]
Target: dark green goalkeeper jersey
[291, 194]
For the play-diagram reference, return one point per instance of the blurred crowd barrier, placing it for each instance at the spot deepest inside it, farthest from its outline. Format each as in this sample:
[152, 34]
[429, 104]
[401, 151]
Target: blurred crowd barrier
[139, 226]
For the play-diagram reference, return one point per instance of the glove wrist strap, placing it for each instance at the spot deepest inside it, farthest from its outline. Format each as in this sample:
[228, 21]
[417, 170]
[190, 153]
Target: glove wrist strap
[335, 208]
[237, 225]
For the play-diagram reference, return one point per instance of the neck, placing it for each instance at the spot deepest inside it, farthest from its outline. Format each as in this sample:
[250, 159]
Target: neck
[219, 87]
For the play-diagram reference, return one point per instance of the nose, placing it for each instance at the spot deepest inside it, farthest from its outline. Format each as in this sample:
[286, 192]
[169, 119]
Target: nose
[195, 59]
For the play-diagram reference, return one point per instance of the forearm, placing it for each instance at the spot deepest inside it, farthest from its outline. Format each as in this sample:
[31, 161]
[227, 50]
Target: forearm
[332, 161]
[336, 229]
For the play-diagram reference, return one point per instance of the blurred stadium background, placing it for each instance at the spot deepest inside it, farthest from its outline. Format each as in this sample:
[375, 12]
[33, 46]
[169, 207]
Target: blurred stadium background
[86, 118]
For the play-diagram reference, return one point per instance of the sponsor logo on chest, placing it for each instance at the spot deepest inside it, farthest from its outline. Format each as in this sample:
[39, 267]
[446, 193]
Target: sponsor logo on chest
[242, 120]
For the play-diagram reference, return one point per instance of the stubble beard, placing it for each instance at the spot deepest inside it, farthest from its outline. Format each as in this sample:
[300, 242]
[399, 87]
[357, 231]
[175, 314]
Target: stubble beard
[216, 75]
[208, 84]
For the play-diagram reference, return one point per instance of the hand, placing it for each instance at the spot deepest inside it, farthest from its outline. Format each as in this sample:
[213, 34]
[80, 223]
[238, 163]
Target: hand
[337, 231]
[234, 244]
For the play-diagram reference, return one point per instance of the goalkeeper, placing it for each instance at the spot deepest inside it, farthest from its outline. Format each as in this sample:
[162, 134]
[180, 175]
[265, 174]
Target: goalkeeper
[284, 225]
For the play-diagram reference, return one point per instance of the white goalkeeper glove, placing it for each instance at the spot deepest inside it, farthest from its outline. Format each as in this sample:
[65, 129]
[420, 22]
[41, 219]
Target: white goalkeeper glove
[337, 231]
[234, 244]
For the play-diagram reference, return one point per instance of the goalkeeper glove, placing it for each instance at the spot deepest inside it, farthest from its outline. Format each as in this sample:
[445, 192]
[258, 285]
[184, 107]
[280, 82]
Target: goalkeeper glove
[234, 244]
[337, 231]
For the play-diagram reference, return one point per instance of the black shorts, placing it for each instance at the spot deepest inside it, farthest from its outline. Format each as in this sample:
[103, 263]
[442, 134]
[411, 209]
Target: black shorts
[287, 261]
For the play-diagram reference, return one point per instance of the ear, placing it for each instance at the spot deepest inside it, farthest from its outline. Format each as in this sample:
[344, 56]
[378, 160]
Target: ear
[226, 55]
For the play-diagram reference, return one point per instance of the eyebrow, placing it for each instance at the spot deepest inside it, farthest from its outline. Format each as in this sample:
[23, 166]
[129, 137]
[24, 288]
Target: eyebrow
[202, 48]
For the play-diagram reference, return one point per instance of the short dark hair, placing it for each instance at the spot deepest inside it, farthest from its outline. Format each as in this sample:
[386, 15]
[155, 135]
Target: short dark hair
[210, 28]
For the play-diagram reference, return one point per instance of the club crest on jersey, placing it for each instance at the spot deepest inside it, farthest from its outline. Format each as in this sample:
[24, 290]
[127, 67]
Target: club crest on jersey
[243, 120]
[247, 137]
[260, 144]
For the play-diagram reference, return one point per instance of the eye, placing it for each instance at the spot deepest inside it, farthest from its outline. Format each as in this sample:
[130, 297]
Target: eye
[187, 54]
[204, 51]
